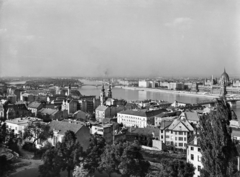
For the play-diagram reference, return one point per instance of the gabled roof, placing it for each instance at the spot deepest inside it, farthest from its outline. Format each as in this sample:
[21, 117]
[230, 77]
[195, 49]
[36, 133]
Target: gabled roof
[184, 122]
[34, 104]
[64, 126]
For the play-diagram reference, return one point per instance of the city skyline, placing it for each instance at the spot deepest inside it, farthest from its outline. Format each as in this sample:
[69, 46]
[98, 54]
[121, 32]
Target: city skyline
[119, 38]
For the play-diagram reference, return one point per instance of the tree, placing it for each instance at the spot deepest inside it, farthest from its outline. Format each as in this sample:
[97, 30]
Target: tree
[124, 158]
[65, 156]
[3, 132]
[51, 164]
[37, 131]
[132, 162]
[5, 165]
[80, 171]
[70, 152]
[216, 145]
[175, 168]
[92, 157]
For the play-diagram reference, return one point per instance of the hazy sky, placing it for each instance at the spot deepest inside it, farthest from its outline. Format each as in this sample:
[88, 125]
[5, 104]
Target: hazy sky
[121, 37]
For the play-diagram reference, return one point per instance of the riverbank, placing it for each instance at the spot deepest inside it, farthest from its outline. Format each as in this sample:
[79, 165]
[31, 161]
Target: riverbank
[171, 91]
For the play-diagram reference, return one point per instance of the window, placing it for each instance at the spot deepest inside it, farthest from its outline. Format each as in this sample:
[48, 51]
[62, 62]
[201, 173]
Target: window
[192, 148]
[180, 138]
[192, 157]
[180, 144]
[171, 131]
[185, 144]
[167, 136]
[199, 150]
[180, 133]
[199, 159]
[199, 168]
[175, 133]
[161, 137]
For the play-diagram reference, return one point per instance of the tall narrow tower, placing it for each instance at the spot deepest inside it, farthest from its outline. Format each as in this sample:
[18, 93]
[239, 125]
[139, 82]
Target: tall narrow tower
[110, 91]
[102, 95]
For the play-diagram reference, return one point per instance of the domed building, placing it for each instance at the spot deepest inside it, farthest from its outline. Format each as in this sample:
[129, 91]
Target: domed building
[224, 79]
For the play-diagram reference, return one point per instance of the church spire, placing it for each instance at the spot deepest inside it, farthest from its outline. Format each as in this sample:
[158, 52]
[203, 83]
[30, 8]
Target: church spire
[102, 95]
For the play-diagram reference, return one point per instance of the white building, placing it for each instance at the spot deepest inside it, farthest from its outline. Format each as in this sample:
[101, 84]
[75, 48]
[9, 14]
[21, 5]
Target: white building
[176, 133]
[19, 124]
[139, 118]
[144, 83]
[194, 156]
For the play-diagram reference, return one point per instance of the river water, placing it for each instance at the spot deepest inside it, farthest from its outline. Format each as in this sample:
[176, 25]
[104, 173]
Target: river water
[133, 95]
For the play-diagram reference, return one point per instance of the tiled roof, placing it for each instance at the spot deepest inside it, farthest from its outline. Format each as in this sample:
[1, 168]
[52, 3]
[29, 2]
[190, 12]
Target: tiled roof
[101, 108]
[22, 121]
[145, 131]
[48, 111]
[75, 93]
[142, 113]
[64, 126]
[165, 124]
[34, 104]
[193, 116]
[184, 122]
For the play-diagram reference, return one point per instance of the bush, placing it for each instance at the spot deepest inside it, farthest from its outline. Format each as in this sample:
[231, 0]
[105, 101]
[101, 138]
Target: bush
[29, 147]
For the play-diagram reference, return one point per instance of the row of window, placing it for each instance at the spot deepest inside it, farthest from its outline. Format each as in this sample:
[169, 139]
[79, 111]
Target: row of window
[176, 138]
[175, 132]
[198, 157]
[198, 149]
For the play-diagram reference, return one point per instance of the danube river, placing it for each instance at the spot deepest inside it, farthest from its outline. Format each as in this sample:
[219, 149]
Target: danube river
[133, 95]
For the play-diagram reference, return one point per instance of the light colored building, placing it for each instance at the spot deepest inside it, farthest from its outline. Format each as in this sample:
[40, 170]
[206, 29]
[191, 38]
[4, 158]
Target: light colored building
[138, 118]
[19, 124]
[104, 130]
[70, 106]
[103, 112]
[176, 133]
[53, 114]
[144, 83]
[194, 156]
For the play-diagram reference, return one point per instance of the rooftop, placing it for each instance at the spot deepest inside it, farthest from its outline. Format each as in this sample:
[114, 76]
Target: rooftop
[34, 104]
[142, 113]
[22, 121]
[64, 126]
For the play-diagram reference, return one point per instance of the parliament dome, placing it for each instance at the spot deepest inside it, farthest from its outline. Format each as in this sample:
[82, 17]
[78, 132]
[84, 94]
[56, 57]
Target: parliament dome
[224, 78]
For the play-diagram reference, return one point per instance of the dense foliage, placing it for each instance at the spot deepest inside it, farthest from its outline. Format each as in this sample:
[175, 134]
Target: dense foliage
[37, 131]
[65, 156]
[218, 150]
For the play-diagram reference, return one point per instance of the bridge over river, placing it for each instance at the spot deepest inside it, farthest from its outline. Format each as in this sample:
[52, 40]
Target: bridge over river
[231, 100]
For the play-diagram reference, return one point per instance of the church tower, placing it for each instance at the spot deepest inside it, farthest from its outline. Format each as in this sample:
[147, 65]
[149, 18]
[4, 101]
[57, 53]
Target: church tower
[102, 95]
[110, 91]
[69, 89]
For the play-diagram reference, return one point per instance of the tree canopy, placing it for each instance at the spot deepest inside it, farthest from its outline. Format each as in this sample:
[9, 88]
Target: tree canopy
[124, 158]
[37, 131]
[65, 156]
[216, 145]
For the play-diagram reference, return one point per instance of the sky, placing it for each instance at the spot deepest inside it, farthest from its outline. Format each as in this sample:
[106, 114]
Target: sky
[119, 38]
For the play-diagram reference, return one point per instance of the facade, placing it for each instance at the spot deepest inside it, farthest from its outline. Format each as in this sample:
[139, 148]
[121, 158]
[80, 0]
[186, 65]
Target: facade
[70, 106]
[138, 118]
[61, 127]
[16, 110]
[104, 130]
[194, 156]
[1, 111]
[144, 83]
[176, 133]
[19, 124]
[103, 112]
[12, 98]
[34, 107]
